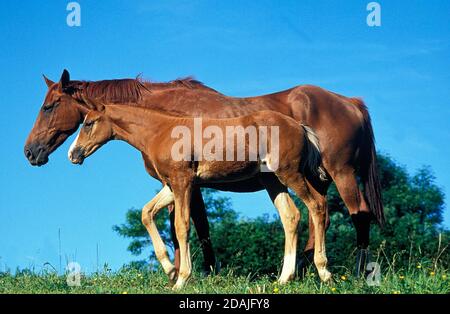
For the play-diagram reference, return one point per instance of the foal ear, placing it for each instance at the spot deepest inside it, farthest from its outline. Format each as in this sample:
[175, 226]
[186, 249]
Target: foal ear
[48, 81]
[93, 104]
[65, 79]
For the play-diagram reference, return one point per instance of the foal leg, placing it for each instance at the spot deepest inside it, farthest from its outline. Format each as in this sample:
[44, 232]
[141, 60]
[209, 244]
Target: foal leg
[182, 195]
[318, 212]
[290, 217]
[161, 200]
[317, 206]
[353, 198]
[201, 225]
[307, 257]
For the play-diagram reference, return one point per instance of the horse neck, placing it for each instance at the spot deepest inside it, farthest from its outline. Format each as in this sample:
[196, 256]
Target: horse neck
[135, 125]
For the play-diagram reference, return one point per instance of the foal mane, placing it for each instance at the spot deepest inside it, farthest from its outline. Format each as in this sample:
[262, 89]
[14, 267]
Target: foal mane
[128, 90]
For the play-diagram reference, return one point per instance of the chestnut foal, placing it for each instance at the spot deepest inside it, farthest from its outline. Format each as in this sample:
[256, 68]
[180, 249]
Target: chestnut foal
[292, 156]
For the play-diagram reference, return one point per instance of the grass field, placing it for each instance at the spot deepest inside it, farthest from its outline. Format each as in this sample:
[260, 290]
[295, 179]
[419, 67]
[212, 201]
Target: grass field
[420, 279]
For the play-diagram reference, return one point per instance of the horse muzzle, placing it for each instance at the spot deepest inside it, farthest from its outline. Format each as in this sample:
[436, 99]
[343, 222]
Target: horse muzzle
[36, 154]
[76, 155]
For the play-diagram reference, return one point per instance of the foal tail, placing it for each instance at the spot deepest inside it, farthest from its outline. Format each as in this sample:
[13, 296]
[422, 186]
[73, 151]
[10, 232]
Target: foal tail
[313, 158]
[368, 169]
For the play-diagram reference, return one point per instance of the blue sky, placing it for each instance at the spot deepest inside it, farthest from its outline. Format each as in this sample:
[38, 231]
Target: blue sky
[240, 48]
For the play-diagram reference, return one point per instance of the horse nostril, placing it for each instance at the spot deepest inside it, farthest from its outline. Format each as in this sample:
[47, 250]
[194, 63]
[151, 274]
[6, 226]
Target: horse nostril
[71, 156]
[28, 153]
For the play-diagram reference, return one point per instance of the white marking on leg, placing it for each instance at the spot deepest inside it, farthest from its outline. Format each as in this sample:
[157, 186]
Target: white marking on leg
[184, 276]
[288, 268]
[290, 217]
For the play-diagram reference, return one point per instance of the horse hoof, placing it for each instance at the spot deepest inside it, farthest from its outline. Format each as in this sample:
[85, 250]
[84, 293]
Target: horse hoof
[179, 284]
[211, 270]
[325, 275]
[362, 259]
[173, 275]
[284, 279]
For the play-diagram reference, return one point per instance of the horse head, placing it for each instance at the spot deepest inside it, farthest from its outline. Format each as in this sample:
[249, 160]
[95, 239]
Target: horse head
[58, 118]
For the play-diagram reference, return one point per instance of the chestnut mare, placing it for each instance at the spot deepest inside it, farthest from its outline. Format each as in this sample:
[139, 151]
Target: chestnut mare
[341, 123]
[292, 152]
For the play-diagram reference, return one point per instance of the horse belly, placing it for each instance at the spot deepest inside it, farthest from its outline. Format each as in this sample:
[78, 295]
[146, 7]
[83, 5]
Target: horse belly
[226, 171]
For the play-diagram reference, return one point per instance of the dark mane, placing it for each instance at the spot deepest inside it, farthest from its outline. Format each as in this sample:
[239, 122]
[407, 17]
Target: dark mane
[128, 90]
[123, 90]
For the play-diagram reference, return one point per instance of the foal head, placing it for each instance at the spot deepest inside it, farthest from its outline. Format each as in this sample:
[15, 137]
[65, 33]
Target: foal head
[95, 131]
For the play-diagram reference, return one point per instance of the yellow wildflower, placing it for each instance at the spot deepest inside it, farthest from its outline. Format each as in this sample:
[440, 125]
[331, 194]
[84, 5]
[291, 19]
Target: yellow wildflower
[419, 266]
[444, 277]
[396, 292]
[125, 292]
[276, 290]
[333, 289]
[432, 273]
[401, 277]
[343, 278]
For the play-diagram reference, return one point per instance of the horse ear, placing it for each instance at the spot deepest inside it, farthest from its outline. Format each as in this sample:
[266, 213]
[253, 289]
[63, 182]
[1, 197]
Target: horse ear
[65, 79]
[48, 81]
[93, 104]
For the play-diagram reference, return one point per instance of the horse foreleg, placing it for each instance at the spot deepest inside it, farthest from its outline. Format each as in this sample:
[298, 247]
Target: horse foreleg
[200, 220]
[161, 200]
[182, 196]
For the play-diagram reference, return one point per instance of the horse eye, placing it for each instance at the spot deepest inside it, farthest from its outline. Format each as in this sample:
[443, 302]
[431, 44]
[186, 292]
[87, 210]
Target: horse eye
[88, 124]
[49, 107]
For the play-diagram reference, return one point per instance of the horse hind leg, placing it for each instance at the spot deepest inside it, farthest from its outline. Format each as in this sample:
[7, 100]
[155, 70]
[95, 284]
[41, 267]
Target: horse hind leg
[353, 198]
[318, 211]
[306, 259]
[290, 217]
[317, 207]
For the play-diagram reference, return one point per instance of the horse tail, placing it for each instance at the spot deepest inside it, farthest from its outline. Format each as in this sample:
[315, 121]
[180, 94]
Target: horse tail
[368, 169]
[313, 159]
